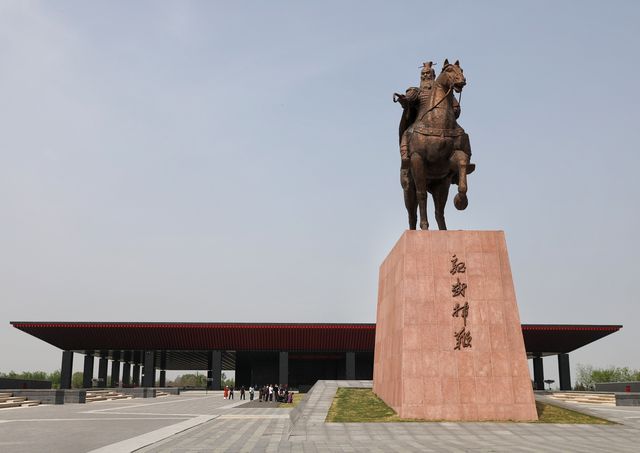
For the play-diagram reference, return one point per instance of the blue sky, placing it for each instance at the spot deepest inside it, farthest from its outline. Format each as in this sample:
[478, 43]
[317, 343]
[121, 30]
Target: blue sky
[210, 161]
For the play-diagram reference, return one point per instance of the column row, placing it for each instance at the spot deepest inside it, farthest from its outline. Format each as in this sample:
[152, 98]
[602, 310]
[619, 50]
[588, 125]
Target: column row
[138, 368]
[564, 372]
[142, 361]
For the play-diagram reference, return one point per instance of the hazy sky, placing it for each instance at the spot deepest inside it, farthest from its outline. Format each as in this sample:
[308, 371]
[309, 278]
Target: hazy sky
[238, 161]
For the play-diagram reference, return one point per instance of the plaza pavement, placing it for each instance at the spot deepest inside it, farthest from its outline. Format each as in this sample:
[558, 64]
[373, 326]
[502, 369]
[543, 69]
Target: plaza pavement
[199, 422]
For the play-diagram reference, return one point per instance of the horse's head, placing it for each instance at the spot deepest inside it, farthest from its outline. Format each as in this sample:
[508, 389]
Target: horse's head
[452, 76]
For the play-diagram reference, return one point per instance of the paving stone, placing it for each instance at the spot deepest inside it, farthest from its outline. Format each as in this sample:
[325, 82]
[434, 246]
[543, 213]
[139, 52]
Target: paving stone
[80, 428]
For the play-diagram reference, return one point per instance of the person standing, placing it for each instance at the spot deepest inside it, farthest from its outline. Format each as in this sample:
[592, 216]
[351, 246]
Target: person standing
[231, 392]
[270, 392]
[251, 392]
[226, 392]
[242, 396]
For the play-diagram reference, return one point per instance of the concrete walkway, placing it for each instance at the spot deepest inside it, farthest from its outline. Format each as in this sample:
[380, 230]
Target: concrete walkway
[306, 430]
[199, 423]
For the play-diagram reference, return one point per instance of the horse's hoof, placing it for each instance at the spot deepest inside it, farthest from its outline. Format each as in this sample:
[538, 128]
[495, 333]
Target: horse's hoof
[424, 226]
[460, 201]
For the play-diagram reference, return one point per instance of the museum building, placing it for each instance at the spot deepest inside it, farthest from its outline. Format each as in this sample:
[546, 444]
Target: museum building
[260, 353]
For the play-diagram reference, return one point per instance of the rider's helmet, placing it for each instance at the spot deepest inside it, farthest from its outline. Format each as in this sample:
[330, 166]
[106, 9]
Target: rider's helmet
[427, 73]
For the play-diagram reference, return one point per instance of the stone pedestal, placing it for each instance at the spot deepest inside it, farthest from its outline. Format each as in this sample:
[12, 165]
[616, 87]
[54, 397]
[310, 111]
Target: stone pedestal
[434, 285]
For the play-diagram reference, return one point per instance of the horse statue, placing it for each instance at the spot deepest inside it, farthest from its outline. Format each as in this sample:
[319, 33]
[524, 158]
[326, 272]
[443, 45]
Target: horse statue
[434, 149]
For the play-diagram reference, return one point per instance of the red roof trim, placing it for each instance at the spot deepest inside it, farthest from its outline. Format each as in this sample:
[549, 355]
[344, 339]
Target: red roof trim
[613, 328]
[189, 325]
[109, 325]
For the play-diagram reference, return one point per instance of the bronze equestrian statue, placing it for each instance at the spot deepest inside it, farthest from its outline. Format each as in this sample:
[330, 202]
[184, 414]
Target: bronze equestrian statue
[434, 149]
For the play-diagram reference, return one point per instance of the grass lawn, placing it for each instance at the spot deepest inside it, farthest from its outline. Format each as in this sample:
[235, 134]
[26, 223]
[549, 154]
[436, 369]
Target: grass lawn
[548, 413]
[297, 397]
[362, 405]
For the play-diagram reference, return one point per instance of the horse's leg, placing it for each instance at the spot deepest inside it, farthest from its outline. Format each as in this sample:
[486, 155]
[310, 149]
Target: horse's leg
[459, 162]
[440, 192]
[410, 201]
[420, 180]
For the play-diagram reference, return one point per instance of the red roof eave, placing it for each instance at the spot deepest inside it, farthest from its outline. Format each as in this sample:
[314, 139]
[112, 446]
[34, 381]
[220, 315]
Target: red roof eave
[267, 336]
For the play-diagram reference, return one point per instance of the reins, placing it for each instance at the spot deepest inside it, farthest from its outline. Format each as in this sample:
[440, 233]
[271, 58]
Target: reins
[437, 103]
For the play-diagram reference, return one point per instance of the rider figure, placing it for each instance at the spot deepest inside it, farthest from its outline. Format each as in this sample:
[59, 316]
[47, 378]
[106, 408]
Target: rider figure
[416, 104]
[413, 102]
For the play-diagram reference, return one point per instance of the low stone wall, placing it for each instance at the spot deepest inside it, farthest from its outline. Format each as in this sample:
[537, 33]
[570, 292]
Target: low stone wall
[54, 396]
[78, 396]
[297, 411]
[138, 392]
[627, 399]
[634, 386]
[75, 396]
[170, 390]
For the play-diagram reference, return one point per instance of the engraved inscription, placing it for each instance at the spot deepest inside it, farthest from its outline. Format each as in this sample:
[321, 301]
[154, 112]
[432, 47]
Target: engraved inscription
[460, 310]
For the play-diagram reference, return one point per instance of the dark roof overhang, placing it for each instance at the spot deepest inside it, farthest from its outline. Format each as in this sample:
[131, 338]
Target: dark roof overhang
[540, 339]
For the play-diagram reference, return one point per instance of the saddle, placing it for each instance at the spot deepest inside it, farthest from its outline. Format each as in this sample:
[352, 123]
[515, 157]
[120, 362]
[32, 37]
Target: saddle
[435, 132]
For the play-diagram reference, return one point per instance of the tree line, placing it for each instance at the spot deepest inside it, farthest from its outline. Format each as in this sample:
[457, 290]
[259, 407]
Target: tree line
[185, 380]
[54, 376]
[588, 376]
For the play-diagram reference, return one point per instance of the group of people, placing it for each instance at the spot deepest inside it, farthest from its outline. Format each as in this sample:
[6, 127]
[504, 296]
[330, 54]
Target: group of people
[228, 393]
[270, 392]
[280, 394]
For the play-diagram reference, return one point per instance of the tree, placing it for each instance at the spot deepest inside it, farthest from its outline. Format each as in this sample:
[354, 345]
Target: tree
[588, 376]
[54, 376]
[224, 380]
[76, 380]
[190, 380]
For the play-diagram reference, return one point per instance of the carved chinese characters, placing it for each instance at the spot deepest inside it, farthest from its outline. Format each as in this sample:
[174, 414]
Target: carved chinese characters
[457, 266]
[462, 336]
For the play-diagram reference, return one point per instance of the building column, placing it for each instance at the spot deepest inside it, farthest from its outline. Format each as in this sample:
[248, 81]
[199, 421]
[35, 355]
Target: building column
[351, 366]
[283, 368]
[87, 373]
[103, 369]
[538, 373]
[135, 379]
[115, 369]
[126, 374]
[564, 371]
[149, 371]
[214, 371]
[66, 370]
[163, 367]
[126, 369]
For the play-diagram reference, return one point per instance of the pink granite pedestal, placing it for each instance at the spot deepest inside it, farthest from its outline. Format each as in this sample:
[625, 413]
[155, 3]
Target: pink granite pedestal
[417, 369]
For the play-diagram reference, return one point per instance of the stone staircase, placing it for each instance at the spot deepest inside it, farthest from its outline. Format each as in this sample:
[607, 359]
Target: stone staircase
[605, 399]
[8, 400]
[105, 395]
